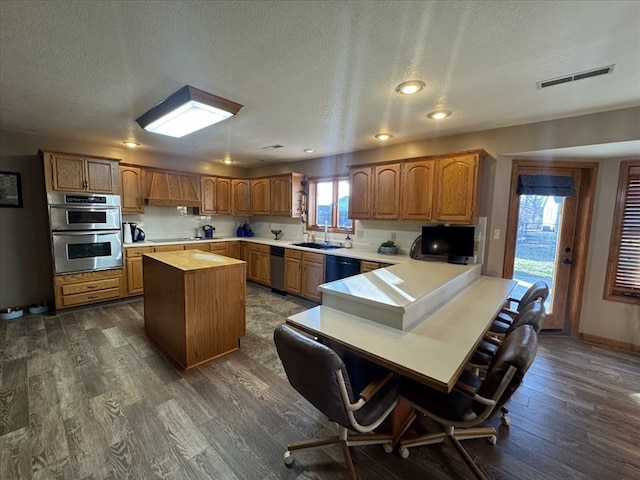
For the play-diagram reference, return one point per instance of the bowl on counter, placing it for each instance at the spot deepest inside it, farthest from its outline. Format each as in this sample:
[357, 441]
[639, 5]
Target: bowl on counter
[11, 313]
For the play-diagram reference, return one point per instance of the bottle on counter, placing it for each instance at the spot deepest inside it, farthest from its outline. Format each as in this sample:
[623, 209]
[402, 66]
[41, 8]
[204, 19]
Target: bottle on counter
[347, 242]
[305, 237]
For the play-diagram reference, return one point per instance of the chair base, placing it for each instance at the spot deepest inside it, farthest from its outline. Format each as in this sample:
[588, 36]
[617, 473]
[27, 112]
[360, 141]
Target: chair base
[345, 440]
[453, 436]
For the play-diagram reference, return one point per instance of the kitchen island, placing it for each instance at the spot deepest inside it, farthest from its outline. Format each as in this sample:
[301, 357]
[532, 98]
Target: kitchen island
[194, 304]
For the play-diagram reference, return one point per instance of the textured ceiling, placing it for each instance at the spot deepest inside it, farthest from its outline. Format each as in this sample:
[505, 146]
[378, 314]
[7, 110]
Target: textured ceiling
[310, 74]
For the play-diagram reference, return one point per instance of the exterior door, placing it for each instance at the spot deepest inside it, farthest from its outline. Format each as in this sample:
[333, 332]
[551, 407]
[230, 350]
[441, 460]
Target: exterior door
[541, 242]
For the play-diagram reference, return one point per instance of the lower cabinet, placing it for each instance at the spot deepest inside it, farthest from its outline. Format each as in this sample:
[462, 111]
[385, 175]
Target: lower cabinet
[133, 263]
[233, 249]
[219, 248]
[367, 266]
[86, 288]
[293, 271]
[312, 275]
[258, 263]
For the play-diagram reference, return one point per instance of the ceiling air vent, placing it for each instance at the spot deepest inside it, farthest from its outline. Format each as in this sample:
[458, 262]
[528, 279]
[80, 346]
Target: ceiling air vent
[576, 76]
[272, 147]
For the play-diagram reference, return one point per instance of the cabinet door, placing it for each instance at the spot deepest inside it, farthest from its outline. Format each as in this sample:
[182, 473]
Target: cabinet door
[223, 196]
[253, 264]
[101, 175]
[131, 189]
[417, 190]
[135, 281]
[261, 196]
[456, 193]
[293, 275]
[208, 186]
[281, 196]
[360, 197]
[233, 249]
[241, 197]
[264, 268]
[67, 173]
[386, 192]
[312, 276]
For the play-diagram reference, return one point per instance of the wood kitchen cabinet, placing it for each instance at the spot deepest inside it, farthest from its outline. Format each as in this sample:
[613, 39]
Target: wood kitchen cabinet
[241, 196]
[286, 195]
[457, 189]
[261, 196]
[131, 189]
[233, 249]
[259, 263]
[133, 263]
[78, 173]
[293, 271]
[216, 195]
[168, 188]
[368, 266]
[312, 275]
[87, 287]
[417, 190]
[375, 192]
[219, 248]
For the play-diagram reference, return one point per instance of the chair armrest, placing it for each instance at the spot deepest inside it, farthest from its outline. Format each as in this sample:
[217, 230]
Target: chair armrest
[491, 339]
[374, 387]
[471, 392]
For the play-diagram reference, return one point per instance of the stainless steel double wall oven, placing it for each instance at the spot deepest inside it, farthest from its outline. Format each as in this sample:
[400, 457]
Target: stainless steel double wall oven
[86, 231]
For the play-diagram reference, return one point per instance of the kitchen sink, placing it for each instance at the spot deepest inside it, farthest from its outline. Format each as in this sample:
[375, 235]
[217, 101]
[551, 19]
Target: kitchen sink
[319, 246]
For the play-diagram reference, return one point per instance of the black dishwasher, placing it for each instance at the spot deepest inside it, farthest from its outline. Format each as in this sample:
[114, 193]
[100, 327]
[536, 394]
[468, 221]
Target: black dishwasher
[336, 267]
[277, 270]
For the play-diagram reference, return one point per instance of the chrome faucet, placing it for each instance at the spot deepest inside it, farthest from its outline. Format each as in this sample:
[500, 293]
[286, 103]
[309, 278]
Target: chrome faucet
[326, 232]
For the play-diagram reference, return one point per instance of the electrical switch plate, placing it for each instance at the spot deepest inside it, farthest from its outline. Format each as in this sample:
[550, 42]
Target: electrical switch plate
[393, 236]
[496, 234]
[360, 234]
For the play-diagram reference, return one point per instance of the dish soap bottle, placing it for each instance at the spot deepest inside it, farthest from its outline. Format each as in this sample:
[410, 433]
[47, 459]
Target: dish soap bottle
[347, 242]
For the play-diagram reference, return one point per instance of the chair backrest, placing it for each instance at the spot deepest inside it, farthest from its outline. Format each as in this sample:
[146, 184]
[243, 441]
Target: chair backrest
[533, 314]
[311, 369]
[518, 350]
[538, 291]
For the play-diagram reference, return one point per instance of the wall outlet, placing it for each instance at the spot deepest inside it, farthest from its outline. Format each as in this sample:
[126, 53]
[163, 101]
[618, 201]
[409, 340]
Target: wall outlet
[360, 234]
[496, 234]
[393, 236]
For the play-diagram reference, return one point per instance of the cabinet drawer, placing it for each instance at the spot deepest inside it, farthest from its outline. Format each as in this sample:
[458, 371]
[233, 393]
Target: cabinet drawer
[291, 253]
[137, 252]
[260, 248]
[97, 285]
[168, 248]
[196, 246]
[367, 266]
[90, 297]
[314, 257]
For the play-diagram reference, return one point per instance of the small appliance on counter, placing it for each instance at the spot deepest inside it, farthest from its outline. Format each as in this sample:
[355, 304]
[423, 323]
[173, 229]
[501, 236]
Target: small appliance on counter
[208, 231]
[140, 236]
[347, 242]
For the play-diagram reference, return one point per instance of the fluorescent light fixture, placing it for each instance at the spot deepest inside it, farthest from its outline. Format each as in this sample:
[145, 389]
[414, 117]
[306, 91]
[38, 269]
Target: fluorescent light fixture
[186, 111]
[410, 87]
[383, 136]
[131, 144]
[439, 114]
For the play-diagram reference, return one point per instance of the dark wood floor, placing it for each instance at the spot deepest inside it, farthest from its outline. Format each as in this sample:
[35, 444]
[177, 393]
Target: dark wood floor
[85, 395]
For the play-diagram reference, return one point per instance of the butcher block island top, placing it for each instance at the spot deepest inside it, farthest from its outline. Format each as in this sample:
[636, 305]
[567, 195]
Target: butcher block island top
[194, 304]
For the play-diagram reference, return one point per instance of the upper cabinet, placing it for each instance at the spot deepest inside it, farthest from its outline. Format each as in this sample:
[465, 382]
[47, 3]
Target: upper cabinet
[131, 189]
[286, 195]
[375, 192]
[261, 196]
[166, 188]
[429, 189]
[78, 173]
[457, 189]
[216, 195]
[241, 196]
[417, 190]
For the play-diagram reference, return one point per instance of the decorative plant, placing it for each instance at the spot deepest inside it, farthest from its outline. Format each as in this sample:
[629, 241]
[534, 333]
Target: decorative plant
[388, 243]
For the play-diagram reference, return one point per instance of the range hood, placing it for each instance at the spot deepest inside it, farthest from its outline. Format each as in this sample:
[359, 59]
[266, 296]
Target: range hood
[172, 189]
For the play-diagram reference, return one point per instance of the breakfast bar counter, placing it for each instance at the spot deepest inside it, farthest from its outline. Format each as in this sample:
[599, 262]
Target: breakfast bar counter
[194, 304]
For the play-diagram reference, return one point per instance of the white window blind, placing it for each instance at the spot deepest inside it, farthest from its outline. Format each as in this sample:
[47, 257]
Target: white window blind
[626, 280]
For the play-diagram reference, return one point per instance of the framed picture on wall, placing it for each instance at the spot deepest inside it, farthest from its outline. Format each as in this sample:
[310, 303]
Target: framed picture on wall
[10, 190]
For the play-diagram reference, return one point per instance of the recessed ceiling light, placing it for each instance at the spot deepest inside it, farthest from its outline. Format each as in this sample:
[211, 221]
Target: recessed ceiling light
[131, 144]
[384, 136]
[439, 114]
[308, 150]
[227, 161]
[410, 87]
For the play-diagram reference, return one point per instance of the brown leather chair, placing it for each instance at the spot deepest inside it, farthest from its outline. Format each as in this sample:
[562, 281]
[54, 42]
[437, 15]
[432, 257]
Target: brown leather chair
[473, 400]
[538, 291]
[321, 376]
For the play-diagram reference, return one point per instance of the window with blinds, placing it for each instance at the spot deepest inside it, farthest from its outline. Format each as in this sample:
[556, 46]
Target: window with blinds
[623, 270]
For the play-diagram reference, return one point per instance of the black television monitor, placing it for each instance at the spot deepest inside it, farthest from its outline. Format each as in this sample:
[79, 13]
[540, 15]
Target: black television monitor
[455, 241]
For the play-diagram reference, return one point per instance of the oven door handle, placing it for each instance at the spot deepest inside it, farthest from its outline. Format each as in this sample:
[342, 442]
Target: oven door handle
[84, 233]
